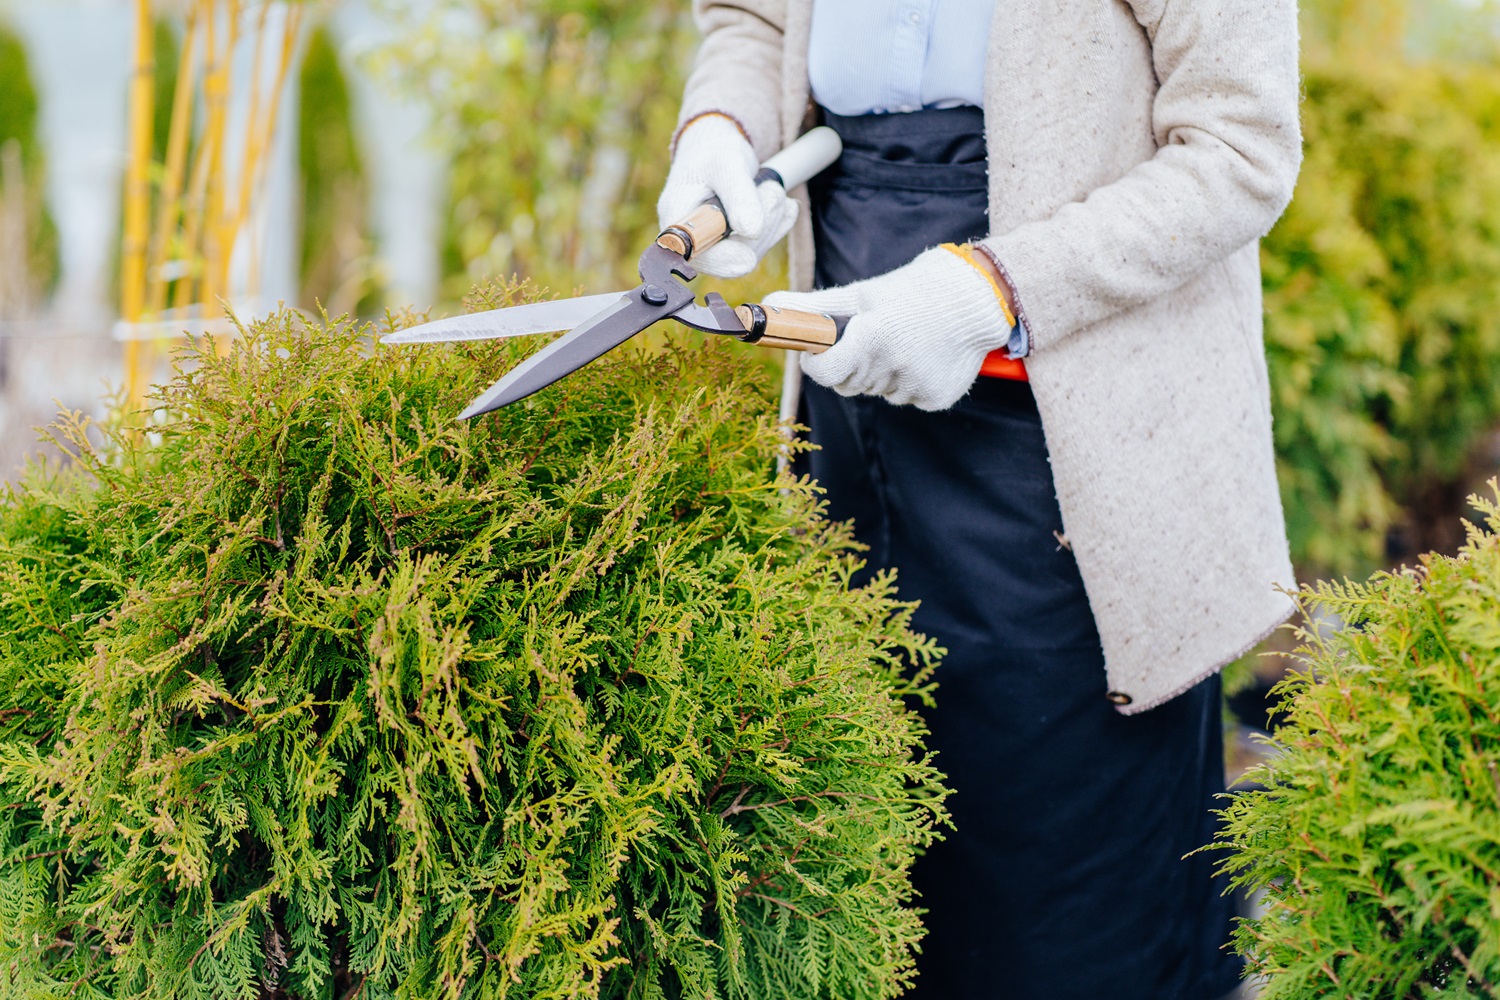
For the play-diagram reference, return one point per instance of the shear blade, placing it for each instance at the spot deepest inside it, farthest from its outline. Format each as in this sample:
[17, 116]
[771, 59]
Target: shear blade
[603, 333]
[513, 321]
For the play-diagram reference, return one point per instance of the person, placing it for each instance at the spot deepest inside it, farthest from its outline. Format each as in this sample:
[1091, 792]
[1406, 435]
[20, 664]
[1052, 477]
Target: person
[1049, 412]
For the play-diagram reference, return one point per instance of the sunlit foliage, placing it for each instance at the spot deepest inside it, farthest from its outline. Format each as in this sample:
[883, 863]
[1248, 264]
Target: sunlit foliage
[559, 114]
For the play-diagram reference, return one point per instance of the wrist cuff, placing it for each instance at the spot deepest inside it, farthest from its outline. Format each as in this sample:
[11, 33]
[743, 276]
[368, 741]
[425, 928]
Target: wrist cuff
[1023, 322]
[966, 254]
[712, 113]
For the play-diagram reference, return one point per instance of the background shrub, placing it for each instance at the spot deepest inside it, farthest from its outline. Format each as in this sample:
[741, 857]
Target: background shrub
[337, 269]
[18, 125]
[1377, 837]
[317, 692]
[558, 115]
[1382, 283]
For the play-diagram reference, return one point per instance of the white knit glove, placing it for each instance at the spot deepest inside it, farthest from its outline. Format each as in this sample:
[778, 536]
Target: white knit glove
[714, 158]
[918, 335]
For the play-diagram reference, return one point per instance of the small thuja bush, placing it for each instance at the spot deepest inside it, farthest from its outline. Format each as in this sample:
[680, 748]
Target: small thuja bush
[1377, 837]
[314, 692]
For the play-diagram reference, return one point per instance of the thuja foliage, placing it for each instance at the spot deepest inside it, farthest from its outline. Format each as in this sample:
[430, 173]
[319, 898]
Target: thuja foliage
[1377, 837]
[315, 692]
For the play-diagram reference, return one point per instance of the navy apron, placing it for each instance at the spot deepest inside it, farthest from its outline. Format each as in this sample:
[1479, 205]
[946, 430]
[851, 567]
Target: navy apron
[1065, 877]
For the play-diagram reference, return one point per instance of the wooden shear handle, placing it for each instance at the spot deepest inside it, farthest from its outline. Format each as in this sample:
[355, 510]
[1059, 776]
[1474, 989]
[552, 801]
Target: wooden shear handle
[705, 227]
[790, 329]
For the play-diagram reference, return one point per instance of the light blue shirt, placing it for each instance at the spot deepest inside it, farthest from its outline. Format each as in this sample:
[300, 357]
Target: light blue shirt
[877, 56]
[898, 55]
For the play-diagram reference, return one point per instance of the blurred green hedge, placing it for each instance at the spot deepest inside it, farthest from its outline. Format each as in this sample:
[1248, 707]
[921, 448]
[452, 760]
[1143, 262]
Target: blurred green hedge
[337, 267]
[1383, 282]
[559, 115]
[18, 123]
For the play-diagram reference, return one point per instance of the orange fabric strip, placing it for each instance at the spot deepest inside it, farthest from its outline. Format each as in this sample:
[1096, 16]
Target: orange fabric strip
[999, 364]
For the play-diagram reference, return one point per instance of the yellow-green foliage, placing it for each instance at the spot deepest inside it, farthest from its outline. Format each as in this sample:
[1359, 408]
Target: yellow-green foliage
[1383, 300]
[1377, 837]
[18, 110]
[324, 694]
[1379, 30]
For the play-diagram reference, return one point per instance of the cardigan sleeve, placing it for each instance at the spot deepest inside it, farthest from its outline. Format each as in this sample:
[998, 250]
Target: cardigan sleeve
[1229, 149]
[738, 68]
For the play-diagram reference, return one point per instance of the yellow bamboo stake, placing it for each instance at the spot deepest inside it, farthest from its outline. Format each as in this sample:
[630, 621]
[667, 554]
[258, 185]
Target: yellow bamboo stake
[251, 151]
[223, 215]
[216, 250]
[169, 209]
[203, 212]
[266, 132]
[138, 197]
[195, 208]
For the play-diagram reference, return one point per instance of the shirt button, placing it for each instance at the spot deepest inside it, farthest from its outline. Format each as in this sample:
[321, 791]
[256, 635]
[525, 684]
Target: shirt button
[916, 17]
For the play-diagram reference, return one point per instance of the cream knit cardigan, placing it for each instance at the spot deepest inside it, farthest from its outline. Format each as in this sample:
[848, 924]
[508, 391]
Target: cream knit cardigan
[1138, 150]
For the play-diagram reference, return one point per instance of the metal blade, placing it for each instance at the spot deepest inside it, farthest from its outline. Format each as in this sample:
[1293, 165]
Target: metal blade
[714, 317]
[627, 317]
[515, 321]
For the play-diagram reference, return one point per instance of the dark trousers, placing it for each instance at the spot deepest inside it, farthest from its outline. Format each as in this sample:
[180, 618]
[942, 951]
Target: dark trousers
[1065, 876]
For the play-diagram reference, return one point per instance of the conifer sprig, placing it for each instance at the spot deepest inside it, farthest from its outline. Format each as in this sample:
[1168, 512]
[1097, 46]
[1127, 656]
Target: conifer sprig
[317, 693]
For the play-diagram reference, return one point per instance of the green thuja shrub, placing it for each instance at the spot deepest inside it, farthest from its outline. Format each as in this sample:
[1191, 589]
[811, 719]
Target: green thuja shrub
[315, 692]
[1332, 346]
[1377, 836]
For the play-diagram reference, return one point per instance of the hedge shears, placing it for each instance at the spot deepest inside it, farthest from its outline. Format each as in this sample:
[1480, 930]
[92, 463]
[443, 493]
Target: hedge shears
[597, 324]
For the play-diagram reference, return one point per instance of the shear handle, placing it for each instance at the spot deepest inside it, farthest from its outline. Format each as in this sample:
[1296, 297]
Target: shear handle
[790, 329]
[768, 326]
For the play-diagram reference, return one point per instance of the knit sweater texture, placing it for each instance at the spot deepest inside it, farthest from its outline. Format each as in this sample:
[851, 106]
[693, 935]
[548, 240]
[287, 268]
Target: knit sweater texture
[1138, 151]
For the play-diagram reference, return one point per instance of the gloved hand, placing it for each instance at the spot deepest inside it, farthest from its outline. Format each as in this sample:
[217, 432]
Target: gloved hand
[714, 158]
[918, 335]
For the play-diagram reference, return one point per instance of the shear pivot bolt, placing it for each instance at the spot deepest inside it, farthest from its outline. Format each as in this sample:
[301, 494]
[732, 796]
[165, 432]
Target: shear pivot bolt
[654, 295]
